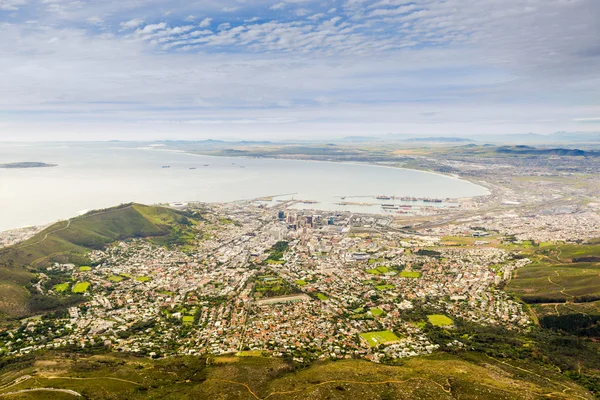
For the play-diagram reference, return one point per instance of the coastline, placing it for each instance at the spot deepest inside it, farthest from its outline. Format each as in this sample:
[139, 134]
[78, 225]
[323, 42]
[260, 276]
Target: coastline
[483, 189]
[360, 163]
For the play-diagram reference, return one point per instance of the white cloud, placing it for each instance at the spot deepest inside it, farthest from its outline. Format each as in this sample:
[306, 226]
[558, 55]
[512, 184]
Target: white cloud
[11, 5]
[381, 65]
[205, 23]
[132, 23]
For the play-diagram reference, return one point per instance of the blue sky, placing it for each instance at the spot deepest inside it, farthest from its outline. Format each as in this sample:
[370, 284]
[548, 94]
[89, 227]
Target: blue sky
[131, 69]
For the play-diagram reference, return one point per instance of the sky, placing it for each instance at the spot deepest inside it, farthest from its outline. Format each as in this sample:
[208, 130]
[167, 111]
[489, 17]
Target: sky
[296, 69]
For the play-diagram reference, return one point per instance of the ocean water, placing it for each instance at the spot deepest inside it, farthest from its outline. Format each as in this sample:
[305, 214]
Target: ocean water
[91, 176]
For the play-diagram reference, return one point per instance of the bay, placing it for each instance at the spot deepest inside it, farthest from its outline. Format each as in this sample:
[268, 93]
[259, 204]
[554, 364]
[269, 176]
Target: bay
[92, 176]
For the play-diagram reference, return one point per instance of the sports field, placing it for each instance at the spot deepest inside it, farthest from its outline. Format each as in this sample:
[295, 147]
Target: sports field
[376, 312]
[410, 274]
[81, 287]
[378, 270]
[379, 337]
[115, 278]
[440, 320]
[85, 268]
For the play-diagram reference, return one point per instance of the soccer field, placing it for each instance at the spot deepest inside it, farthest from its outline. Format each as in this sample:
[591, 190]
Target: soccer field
[379, 337]
[440, 320]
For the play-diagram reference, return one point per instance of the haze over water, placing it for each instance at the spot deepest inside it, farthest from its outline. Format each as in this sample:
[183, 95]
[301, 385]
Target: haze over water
[92, 176]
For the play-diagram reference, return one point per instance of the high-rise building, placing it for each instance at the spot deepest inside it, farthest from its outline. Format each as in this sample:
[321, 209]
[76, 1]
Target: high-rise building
[309, 220]
[281, 215]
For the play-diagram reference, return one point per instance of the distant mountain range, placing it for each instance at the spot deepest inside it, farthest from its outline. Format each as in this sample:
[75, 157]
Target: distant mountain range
[440, 139]
[556, 137]
[528, 150]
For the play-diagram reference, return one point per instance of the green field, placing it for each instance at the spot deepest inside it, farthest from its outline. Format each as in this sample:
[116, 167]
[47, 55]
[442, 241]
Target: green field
[560, 273]
[271, 285]
[187, 319]
[61, 287]
[440, 320]
[301, 282]
[322, 297]
[556, 283]
[380, 337]
[81, 287]
[384, 287]
[143, 279]
[115, 278]
[377, 312]
[378, 270]
[410, 274]
[84, 268]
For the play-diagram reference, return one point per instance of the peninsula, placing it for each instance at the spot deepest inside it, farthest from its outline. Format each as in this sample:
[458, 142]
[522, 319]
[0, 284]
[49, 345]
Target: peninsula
[27, 165]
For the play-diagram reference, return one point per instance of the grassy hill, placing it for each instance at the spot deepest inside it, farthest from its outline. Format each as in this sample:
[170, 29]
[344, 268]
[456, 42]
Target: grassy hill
[70, 241]
[441, 376]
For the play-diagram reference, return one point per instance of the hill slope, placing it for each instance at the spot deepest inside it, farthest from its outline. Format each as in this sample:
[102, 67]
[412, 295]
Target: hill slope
[70, 241]
[110, 376]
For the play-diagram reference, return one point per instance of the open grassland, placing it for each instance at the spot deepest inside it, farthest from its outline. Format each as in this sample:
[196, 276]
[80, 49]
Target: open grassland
[118, 376]
[81, 287]
[560, 273]
[61, 287]
[557, 283]
[440, 320]
[561, 309]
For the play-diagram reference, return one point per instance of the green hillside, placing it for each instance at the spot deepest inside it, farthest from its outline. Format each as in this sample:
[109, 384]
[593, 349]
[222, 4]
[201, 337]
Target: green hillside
[70, 241]
[441, 376]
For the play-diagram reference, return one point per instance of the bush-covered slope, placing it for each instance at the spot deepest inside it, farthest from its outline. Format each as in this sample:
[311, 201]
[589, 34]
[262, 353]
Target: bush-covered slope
[70, 241]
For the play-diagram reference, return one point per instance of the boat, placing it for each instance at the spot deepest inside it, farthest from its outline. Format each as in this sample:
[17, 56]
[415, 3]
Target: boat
[382, 197]
[192, 167]
[166, 166]
[206, 165]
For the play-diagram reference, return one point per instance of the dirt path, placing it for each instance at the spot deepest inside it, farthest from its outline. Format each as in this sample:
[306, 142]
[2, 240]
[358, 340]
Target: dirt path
[562, 288]
[67, 391]
[310, 387]
[48, 234]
